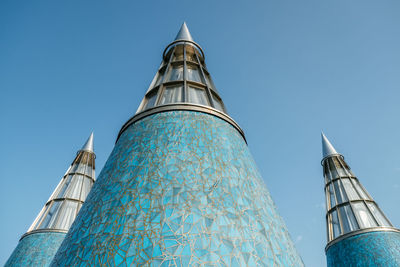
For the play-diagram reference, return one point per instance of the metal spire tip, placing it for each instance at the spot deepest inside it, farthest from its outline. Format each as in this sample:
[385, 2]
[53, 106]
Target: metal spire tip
[327, 147]
[88, 146]
[184, 33]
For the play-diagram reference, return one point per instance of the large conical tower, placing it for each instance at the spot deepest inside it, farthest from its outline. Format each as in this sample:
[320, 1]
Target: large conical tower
[359, 234]
[180, 187]
[38, 246]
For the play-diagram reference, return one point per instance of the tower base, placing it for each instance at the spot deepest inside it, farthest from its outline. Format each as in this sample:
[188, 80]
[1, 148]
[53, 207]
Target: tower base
[380, 248]
[36, 249]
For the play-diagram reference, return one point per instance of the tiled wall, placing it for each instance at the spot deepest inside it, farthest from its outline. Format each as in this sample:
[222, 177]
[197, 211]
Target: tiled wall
[179, 188]
[36, 249]
[368, 249]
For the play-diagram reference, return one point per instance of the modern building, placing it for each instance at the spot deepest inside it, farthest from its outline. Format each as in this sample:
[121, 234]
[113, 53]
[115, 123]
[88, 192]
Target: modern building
[38, 246]
[359, 233]
[180, 186]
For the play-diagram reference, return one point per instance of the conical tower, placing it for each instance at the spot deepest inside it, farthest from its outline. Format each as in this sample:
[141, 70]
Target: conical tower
[38, 246]
[180, 187]
[359, 234]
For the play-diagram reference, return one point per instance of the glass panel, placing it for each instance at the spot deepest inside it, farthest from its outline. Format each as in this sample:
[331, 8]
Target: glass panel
[88, 171]
[190, 53]
[332, 168]
[178, 54]
[50, 215]
[191, 57]
[193, 73]
[151, 100]
[339, 168]
[363, 216]
[360, 190]
[217, 103]
[172, 94]
[335, 224]
[209, 81]
[348, 220]
[328, 205]
[339, 190]
[350, 191]
[39, 218]
[81, 168]
[176, 73]
[332, 196]
[75, 187]
[342, 172]
[64, 186]
[347, 168]
[378, 214]
[327, 173]
[66, 215]
[197, 95]
[73, 168]
[86, 186]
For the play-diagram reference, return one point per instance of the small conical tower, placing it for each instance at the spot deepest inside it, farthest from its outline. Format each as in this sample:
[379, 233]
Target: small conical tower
[38, 246]
[359, 234]
[180, 187]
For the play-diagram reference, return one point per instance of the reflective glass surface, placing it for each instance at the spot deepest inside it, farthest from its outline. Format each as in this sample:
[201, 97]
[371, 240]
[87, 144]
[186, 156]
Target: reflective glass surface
[217, 103]
[171, 94]
[193, 73]
[151, 100]
[65, 202]
[197, 95]
[364, 217]
[345, 195]
[179, 71]
[176, 73]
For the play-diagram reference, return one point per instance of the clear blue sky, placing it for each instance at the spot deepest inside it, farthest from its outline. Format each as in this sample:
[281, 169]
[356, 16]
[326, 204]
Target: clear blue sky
[285, 69]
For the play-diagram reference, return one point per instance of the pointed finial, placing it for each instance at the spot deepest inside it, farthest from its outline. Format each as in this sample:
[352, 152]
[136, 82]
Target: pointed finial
[327, 148]
[184, 33]
[88, 146]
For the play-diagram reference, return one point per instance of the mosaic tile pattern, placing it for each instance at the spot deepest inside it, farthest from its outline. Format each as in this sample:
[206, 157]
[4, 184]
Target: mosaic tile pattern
[180, 188]
[368, 249]
[36, 249]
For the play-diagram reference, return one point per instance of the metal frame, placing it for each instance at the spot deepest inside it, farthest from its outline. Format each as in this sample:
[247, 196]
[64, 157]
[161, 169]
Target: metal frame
[331, 164]
[87, 160]
[168, 62]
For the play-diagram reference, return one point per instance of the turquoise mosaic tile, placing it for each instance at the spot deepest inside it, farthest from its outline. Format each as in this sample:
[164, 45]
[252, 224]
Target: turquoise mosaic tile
[37, 249]
[366, 250]
[180, 188]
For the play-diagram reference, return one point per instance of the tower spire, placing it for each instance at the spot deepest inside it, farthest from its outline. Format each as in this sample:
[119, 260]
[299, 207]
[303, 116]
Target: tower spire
[39, 244]
[327, 147]
[182, 82]
[88, 146]
[184, 34]
[357, 228]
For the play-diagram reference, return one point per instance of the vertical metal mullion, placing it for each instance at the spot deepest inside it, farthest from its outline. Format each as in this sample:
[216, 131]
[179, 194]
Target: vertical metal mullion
[350, 204]
[370, 212]
[329, 227]
[337, 203]
[208, 90]
[44, 213]
[59, 211]
[161, 87]
[185, 90]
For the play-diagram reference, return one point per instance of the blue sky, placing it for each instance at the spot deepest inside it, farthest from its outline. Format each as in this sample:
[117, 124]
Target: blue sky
[285, 69]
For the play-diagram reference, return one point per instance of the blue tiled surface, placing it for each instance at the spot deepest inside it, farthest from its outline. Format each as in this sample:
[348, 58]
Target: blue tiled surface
[368, 249]
[179, 188]
[36, 249]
